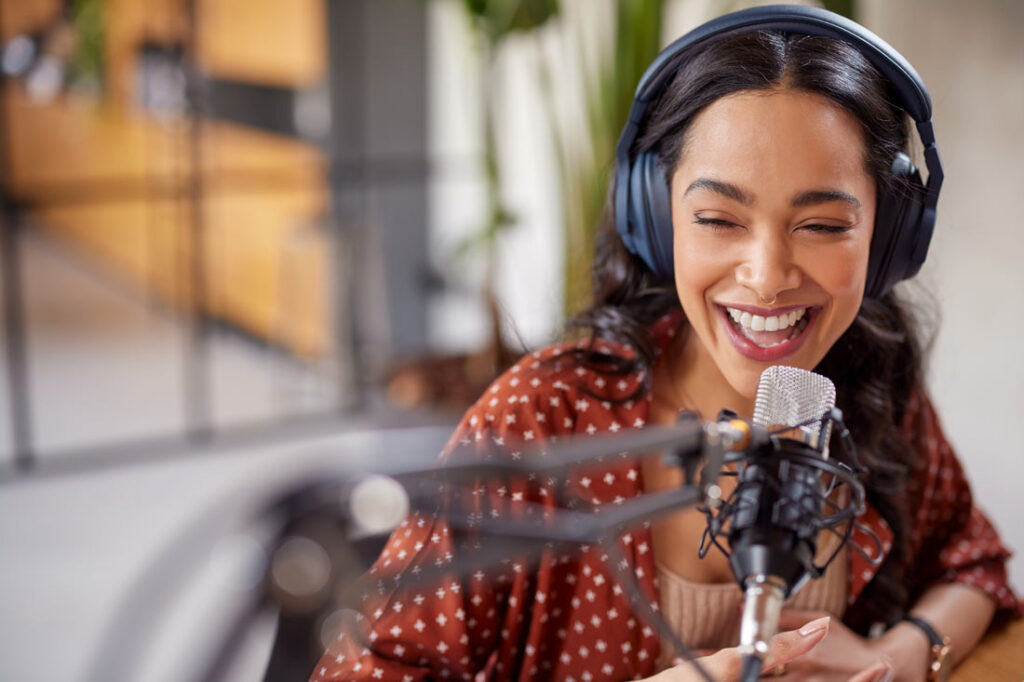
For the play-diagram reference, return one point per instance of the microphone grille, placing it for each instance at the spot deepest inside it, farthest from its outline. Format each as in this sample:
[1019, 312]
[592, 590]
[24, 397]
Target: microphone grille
[787, 396]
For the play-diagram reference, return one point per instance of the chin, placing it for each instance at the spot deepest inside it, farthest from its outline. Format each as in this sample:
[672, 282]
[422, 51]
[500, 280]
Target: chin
[744, 382]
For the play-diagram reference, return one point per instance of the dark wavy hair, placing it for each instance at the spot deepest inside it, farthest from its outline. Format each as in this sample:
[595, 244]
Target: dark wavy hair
[877, 363]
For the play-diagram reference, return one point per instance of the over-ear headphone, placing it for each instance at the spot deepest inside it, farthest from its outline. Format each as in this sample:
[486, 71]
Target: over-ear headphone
[904, 219]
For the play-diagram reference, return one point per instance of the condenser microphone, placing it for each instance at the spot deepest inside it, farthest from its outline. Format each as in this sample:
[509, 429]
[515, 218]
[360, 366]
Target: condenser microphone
[779, 503]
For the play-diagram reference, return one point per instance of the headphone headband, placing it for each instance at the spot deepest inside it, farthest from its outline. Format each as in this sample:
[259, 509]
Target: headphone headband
[805, 21]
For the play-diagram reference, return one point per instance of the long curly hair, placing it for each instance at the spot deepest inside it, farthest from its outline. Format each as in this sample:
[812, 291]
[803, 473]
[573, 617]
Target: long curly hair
[877, 363]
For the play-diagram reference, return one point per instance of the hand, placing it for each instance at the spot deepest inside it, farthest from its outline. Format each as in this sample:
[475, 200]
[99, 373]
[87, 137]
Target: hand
[786, 648]
[841, 655]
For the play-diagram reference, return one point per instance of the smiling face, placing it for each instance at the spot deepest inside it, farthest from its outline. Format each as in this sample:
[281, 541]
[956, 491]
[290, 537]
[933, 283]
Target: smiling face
[772, 210]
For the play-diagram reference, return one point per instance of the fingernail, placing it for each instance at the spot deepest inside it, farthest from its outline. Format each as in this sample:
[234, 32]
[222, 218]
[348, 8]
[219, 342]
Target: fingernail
[815, 626]
[883, 672]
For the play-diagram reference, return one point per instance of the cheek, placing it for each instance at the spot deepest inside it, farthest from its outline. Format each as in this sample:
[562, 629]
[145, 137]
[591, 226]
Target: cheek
[842, 278]
[842, 274]
[698, 266]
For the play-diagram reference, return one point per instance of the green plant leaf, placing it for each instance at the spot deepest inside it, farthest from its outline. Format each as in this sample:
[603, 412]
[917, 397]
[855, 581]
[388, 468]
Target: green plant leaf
[499, 18]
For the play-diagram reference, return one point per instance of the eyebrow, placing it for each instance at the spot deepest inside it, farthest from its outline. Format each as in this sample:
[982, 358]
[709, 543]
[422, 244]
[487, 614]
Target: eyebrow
[726, 189]
[824, 196]
[808, 198]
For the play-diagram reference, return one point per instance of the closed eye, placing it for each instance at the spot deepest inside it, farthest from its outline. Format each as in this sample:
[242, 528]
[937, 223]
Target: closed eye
[828, 229]
[715, 223]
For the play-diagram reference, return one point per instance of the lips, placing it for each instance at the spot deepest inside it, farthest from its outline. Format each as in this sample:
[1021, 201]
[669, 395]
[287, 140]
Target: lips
[767, 335]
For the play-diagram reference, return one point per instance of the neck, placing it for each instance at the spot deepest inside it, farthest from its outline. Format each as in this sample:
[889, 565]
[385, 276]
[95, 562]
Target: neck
[696, 382]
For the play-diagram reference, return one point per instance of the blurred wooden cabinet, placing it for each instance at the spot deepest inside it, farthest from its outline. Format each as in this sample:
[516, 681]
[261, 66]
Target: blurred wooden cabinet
[125, 186]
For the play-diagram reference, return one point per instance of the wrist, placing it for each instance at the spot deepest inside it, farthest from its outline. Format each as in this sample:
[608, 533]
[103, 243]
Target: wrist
[909, 650]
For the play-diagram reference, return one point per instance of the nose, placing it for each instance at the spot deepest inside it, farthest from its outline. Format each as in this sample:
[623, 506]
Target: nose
[767, 267]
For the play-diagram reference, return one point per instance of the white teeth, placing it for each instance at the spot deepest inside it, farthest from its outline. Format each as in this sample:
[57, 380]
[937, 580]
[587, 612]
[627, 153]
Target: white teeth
[760, 323]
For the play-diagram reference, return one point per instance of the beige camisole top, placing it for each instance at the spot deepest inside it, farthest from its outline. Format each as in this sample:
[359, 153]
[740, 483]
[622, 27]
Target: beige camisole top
[707, 615]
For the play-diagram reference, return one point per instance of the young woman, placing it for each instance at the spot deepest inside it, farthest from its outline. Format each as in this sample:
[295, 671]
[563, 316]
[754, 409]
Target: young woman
[778, 154]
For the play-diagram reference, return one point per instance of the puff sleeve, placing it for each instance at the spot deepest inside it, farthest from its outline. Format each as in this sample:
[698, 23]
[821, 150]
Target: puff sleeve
[951, 539]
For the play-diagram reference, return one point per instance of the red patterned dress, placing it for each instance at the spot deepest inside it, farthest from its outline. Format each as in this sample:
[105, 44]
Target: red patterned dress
[565, 616]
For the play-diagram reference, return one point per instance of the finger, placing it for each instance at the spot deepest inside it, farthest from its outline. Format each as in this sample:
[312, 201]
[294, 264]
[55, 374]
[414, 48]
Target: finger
[784, 647]
[791, 644]
[882, 671]
[695, 653]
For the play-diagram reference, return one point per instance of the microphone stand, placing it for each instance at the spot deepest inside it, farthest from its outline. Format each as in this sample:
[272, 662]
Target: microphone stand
[315, 513]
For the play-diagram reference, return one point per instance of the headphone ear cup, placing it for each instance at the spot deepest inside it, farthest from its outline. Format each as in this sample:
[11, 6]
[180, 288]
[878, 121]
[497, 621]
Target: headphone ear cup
[650, 212]
[900, 240]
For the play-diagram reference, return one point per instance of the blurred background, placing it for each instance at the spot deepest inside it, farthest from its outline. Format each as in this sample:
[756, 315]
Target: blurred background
[240, 237]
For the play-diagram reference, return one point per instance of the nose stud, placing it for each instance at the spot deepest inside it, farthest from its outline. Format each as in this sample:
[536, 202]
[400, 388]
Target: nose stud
[765, 301]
